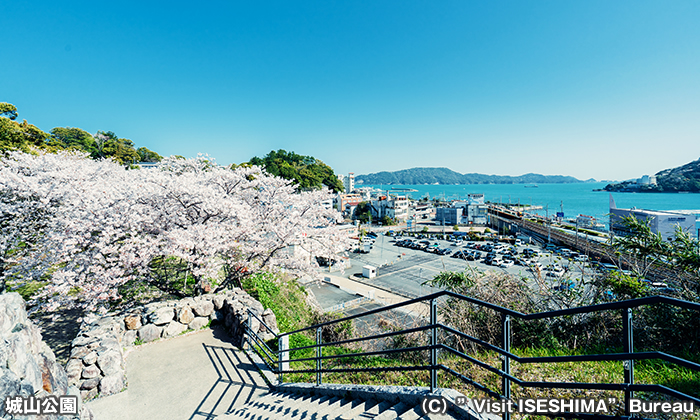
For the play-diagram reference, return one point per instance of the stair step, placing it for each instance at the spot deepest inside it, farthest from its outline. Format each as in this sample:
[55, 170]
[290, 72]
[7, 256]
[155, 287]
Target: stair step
[393, 413]
[307, 409]
[376, 410]
[412, 414]
[356, 409]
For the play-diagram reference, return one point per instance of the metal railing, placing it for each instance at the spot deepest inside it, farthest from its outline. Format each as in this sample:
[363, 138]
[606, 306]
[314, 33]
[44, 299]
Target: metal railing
[281, 363]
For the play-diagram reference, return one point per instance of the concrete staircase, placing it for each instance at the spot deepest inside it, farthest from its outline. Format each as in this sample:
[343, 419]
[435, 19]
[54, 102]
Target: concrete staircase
[278, 405]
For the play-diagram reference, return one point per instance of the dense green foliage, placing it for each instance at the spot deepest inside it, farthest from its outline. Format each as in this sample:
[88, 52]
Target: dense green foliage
[306, 171]
[680, 256]
[445, 176]
[363, 212]
[284, 297]
[22, 136]
[684, 178]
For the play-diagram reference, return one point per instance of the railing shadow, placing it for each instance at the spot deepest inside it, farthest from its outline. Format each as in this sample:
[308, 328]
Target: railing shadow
[237, 384]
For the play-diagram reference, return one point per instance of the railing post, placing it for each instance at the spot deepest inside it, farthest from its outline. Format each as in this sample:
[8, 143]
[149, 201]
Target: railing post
[506, 362]
[249, 328]
[319, 354]
[282, 356]
[629, 348]
[433, 343]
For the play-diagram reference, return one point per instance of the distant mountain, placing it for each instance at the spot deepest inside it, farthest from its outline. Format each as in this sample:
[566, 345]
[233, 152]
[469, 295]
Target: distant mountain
[445, 176]
[684, 178]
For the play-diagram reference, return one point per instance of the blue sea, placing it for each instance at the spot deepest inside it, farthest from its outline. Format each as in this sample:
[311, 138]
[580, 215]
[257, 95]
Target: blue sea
[573, 199]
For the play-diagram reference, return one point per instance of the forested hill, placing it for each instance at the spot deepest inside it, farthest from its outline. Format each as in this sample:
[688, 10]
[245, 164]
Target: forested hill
[684, 178]
[419, 176]
[306, 171]
[103, 144]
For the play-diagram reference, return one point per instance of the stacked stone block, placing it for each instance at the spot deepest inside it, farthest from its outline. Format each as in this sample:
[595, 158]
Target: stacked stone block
[96, 365]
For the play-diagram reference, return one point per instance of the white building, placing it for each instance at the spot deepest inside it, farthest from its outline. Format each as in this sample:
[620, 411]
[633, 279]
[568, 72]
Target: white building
[393, 207]
[349, 182]
[662, 222]
[397, 208]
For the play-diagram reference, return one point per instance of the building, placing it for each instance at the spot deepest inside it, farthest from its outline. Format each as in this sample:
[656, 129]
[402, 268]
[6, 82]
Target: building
[422, 210]
[341, 200]
[474, 199]
[661, 222]
[393, 207]
[397, 208]
[349, 182]
[448, 216]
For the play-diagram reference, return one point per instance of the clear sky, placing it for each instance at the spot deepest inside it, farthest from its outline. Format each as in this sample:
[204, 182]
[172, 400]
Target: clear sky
[602, 89]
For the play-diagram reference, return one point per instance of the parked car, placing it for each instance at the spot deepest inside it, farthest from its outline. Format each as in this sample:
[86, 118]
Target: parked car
[506, 264]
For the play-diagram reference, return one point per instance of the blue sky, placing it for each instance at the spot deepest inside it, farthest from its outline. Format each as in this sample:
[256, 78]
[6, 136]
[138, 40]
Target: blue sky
[601, 89]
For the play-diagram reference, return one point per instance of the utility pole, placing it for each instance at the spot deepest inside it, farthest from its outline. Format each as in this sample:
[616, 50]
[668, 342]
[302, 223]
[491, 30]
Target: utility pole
[549, 225]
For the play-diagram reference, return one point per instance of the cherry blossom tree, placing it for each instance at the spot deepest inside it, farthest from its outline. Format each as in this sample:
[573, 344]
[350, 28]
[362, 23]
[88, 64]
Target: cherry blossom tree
[88, 227]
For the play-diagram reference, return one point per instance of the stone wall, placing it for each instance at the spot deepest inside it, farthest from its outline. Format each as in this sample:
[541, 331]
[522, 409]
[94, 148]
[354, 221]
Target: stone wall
[28, 366]
[96, 364]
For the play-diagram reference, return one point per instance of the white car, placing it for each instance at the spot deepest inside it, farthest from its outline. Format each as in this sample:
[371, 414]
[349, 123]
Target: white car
[506, 263]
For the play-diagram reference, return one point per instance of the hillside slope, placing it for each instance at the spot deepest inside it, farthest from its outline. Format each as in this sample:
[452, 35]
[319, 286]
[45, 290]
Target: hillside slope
[445, 176]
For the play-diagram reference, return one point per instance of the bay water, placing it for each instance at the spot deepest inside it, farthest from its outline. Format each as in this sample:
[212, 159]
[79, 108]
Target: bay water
[572, 199]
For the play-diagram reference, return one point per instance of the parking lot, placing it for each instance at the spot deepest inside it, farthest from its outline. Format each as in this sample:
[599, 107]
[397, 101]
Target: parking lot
[403, 270]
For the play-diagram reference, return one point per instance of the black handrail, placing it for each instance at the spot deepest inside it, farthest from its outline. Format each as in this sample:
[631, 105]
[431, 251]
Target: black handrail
[628, 355]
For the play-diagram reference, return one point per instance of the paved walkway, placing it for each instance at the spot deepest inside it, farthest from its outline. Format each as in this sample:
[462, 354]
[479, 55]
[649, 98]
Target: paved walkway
[198, 376]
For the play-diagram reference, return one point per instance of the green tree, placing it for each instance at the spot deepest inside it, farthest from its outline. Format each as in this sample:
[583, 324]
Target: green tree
[8, 110]
[14, 135]
[146, 155]
[363, 212]
[680, 255]
[73, 138]
[306, 171]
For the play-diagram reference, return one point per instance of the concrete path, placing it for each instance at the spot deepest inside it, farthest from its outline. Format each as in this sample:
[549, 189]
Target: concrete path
[197, 376]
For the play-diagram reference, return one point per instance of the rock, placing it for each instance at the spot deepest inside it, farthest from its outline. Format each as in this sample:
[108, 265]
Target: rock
[198, 323]
[218, 301]
[132, 322]
[84, 341]
[90, 384]
[173, 329]
[185, 315]
[111, 363]
[78, 352]
[129, 338]
[73, 390]
[203, 308]
[254, 324]
[112, 384]
[107, 345]
[90, 372]
[149, 333]
[89, 394]
[90, 358]
[74, 369]
[53, 376]
[18, 353]
[9, 383]
[162, 316]
[271, 321]
[12, 312]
